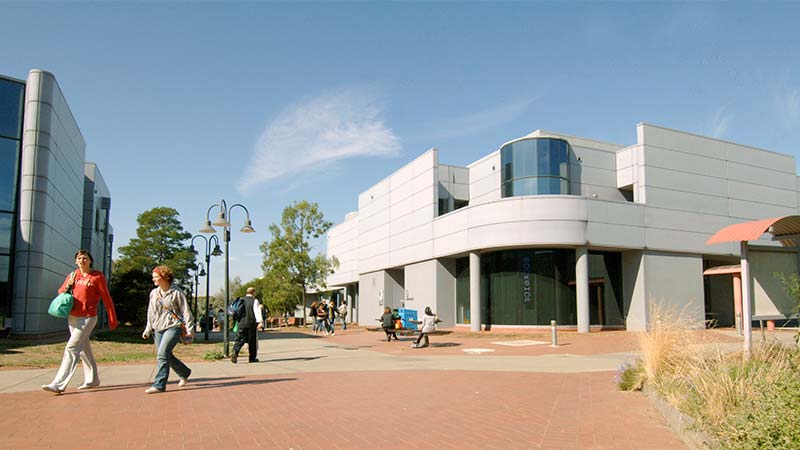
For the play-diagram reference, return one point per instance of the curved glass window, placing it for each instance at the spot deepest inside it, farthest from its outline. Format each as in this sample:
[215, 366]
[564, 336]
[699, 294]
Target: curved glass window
[536, 166]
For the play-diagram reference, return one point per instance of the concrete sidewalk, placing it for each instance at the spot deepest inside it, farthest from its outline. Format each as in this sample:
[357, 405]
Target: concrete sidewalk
[350, 391]
[288, 355]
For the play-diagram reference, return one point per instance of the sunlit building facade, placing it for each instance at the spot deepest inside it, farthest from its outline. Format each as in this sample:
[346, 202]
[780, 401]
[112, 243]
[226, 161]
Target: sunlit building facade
[52, 202]
[557, 227]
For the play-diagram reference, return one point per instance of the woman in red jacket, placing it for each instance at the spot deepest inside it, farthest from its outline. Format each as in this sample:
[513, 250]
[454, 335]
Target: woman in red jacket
[88, 288]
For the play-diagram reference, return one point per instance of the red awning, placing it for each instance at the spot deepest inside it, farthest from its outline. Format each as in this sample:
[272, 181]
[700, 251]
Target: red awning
[747, 231]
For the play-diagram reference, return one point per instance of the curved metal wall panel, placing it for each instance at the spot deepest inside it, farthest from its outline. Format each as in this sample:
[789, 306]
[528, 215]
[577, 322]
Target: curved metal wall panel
[512, 222]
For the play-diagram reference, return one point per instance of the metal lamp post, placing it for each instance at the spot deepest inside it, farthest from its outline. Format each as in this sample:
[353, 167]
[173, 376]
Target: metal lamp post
[197, 273]
[222, 221]
[208, 254]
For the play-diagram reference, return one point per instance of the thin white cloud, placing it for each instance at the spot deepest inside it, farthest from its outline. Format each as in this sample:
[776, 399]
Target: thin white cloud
[482, 120]
[313, 133]
[720, 121]
[789, 104]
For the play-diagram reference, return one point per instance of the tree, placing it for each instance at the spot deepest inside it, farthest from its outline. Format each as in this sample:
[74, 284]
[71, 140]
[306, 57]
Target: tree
[235, 287]
[791, 283]
[130, 291]
[160, 239]
[289, 268]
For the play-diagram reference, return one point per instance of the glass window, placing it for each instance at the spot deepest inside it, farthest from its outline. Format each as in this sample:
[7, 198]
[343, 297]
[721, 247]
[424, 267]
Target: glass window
[6, 221]
[11, 98]
[537, 166]
[9, 157]
[5, 287]
[443, 206]
[462, 291]
[524, 287]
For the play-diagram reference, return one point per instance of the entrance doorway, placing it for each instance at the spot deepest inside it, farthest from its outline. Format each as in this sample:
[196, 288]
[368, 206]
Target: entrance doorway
[597, 294]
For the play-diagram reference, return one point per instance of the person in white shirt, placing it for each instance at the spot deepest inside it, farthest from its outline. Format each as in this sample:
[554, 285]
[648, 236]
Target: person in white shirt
[248, 327]
[343, 314]
[429, 321]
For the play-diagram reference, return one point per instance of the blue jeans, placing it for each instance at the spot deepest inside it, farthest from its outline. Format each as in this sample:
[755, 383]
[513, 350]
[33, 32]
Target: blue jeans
[165, 342]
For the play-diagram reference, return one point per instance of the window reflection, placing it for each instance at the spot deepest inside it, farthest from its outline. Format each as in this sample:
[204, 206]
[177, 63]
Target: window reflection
[5, 233]
[537, 166]
[11, 97]
[9, 155]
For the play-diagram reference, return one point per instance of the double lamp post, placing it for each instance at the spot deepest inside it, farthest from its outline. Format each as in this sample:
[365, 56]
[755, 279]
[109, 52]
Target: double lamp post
[208, 254]
[222, 221]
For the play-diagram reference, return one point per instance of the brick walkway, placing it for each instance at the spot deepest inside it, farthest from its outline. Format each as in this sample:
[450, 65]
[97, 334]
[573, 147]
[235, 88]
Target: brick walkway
[341, 409]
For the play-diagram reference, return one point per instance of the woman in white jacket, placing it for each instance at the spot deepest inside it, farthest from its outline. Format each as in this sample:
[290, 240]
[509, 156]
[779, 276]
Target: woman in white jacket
[429, 321]
[167, 311]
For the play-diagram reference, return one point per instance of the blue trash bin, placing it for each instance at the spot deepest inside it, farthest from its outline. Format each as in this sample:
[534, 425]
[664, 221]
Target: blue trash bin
[407, 315]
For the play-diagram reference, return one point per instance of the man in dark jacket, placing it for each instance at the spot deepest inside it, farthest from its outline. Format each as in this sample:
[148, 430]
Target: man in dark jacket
[248, 327]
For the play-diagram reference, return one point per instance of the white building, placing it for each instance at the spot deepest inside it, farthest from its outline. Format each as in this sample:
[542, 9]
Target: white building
[52, 202]
[557, 227]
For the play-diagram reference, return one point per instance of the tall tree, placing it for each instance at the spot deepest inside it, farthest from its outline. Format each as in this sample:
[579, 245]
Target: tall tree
[160, 239]
[289, 268]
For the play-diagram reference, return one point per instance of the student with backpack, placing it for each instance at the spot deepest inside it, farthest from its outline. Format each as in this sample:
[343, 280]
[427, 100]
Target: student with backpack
[246, 311]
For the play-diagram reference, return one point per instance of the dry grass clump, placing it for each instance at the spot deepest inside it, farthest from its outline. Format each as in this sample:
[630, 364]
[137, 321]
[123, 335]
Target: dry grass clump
[665, 350]
[745, 402]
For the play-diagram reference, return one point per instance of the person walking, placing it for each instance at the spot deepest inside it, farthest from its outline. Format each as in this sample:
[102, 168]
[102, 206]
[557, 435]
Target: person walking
[343, 314]
[220, 319]
[387, 323]
[167, 312]
[322, 316]
[331, 316]
[429, 321]
[248, 327]
[88, 288]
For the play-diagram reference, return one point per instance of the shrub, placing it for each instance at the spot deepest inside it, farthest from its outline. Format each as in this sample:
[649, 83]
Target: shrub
[213, 356]
[631, 376]
[744, 402]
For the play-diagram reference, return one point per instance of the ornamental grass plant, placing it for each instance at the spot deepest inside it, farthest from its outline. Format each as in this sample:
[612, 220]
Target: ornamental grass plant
[742, 402]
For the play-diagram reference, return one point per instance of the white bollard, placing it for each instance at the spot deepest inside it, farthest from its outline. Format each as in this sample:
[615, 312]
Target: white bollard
[553, 334]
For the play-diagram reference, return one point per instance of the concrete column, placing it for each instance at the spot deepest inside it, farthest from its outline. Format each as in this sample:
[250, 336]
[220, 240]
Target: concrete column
[344, 297]
[582, 287]
[737, 302]
[747, 298]
[349, 298]
[474, 292]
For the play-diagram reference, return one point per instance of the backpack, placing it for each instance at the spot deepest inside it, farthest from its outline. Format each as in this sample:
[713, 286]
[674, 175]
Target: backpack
[236, 309]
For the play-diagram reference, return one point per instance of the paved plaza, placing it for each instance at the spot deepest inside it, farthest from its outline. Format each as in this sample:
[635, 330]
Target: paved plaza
[354, 391]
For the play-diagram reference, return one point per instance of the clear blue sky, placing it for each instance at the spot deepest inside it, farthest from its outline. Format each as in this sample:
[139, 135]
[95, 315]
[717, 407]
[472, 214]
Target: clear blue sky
[183, 104]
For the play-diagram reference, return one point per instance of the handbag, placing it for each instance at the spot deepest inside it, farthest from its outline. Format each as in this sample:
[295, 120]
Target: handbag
[186, 338]
[62, 304]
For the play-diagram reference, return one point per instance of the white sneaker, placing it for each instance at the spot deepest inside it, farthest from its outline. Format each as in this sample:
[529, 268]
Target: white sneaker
[182, 381]
[50, 388]
[153, 390]
[88, 386]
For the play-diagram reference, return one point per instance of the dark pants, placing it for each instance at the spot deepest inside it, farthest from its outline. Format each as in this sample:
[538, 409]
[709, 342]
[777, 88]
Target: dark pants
[247, 335]
[421, 337]
[390, 333]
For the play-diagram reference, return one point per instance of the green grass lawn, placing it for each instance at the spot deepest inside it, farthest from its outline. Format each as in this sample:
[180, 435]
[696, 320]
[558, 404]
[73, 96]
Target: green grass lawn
[123, 345]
